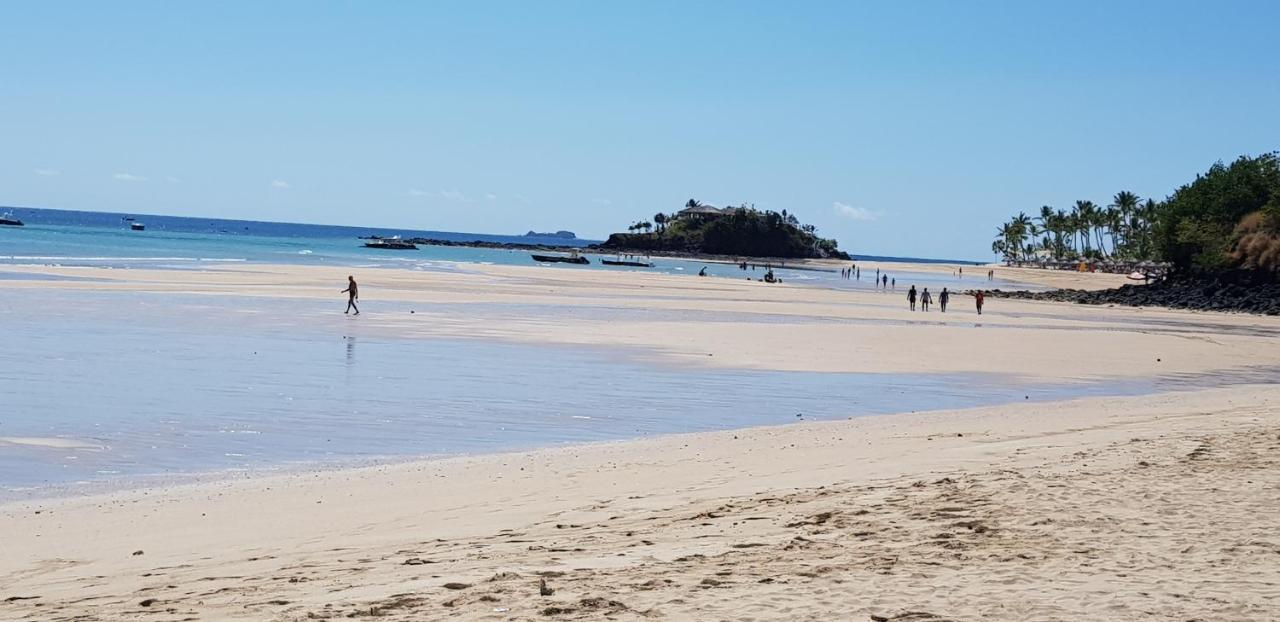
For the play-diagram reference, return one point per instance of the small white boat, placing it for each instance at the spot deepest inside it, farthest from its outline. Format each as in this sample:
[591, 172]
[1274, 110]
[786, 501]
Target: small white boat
[137, 226]
[9, 221]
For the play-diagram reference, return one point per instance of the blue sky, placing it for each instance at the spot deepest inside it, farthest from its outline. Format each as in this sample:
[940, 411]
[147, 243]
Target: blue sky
[903, 128]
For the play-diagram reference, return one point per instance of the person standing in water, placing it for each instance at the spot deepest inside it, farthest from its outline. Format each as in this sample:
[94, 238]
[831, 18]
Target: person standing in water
[925, 300]
[911, 297]
[353, 294]
[942, 300]
[884, 281]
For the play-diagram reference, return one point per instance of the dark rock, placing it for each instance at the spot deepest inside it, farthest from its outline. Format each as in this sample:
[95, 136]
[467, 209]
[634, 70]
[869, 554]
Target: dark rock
[1234, 291]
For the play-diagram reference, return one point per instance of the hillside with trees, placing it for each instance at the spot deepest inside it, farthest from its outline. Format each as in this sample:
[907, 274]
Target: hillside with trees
[1228, 218]
[741, 231]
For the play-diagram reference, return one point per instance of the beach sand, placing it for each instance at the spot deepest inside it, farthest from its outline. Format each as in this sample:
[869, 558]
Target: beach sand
[1150, 507]
[1118, 509]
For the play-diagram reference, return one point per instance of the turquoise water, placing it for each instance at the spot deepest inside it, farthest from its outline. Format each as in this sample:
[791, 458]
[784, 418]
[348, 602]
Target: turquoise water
[102, 239]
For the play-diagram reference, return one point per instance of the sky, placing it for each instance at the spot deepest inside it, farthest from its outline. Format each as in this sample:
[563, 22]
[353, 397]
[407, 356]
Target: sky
[909, 128]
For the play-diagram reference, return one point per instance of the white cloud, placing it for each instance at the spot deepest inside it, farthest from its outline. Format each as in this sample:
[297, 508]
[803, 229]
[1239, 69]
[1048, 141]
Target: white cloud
[44, 172]
[854, 213]
[173, 180]
[276, 183]
[128, 177]
[414, 192]
[491, 196]
[453, 195]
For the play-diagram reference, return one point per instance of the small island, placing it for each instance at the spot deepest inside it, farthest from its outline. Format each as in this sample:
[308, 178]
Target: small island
[564, 235]
[743, 231]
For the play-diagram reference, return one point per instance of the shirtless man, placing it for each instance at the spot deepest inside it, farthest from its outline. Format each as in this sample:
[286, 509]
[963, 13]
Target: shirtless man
[353, 294]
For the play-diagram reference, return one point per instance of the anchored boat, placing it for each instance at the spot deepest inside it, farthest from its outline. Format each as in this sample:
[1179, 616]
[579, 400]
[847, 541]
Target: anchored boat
[620, 262]
[573, 258]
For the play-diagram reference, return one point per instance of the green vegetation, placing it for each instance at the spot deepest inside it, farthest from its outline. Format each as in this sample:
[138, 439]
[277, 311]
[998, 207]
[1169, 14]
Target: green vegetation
[737, 231]
[1227, 218]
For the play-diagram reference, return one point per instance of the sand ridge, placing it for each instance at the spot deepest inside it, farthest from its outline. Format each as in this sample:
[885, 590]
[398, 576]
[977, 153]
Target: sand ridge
[735, 323]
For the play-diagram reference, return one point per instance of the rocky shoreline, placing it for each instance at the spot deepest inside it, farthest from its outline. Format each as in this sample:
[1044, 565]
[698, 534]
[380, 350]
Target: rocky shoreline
[1238, 292]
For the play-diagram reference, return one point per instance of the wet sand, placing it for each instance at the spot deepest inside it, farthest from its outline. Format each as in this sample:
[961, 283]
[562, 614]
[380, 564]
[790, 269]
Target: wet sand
[1154, 507]
[735, 323]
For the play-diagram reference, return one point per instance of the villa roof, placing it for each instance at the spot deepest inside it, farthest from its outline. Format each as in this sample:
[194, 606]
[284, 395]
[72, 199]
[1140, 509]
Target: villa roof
[701, 209]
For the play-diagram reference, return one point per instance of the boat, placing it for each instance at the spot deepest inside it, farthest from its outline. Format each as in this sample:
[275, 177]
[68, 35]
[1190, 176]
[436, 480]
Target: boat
[391, 244]
[574, 258]
[9, 221]
[633, 264]
[137, 226]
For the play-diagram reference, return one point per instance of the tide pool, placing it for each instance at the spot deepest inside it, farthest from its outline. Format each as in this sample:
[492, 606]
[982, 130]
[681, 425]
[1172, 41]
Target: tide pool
[101, 389]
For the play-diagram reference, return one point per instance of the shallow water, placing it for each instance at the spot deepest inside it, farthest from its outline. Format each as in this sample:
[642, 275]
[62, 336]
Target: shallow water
[222, 245]
[106, 389]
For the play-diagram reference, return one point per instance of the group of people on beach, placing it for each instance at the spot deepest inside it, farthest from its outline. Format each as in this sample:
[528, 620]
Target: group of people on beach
[926, 299]
[882, 281]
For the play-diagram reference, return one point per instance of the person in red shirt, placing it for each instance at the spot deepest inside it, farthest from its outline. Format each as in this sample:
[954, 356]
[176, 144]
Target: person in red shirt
[978, 298]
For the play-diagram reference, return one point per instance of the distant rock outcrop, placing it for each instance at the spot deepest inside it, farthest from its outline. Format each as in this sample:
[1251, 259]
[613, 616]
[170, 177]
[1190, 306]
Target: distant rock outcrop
[566, 235]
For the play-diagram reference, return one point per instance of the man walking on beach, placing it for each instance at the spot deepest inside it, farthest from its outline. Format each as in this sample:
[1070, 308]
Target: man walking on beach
[977, 299]
[942, 299]
[353, 294]
[925, 300]
[911, 297]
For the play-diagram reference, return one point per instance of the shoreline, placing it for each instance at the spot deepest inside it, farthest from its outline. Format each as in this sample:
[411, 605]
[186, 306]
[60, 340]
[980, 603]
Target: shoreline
[598, 521]
[702, 321]
[1026, 507]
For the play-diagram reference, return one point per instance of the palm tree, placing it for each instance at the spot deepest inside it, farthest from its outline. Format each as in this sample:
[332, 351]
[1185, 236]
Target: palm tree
[1009, 240]
[660, 219]
[999, 247]
[1084, 213]
[1126, 203]
[1024, 227]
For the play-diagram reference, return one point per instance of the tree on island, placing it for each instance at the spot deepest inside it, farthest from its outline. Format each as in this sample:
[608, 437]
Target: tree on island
[736, 231]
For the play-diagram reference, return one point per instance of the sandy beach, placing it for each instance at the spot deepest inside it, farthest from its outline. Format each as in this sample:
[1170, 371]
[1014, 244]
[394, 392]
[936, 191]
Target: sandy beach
[1142, 507]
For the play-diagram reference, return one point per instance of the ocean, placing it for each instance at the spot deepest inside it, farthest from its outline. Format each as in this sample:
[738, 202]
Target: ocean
[82, 238]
